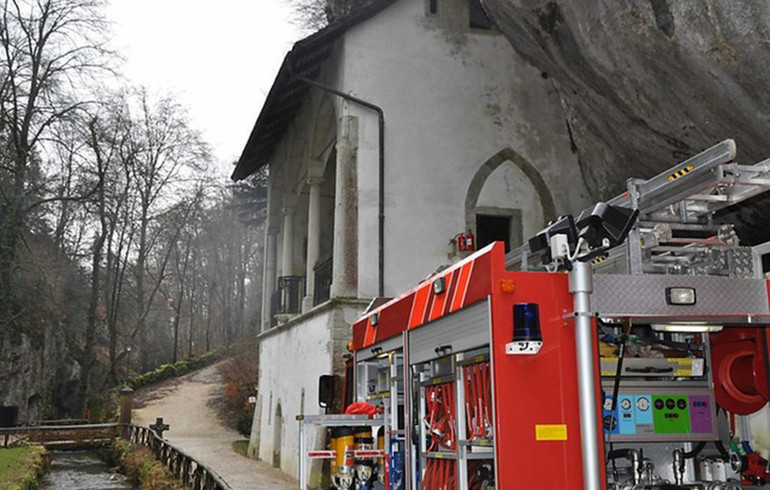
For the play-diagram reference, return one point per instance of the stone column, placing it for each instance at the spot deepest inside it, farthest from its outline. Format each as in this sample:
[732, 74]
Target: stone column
[287, 264]
[345, 266]
[126, 406]
[313, 239]
[268, 281]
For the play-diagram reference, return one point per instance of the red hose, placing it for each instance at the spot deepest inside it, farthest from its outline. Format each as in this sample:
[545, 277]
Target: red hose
[431, 401]
[428, 480]
[469, 399]
[487, 390]
[440, 417]
[450, 441]
[478, 380]
[451, 482]
[477, 400]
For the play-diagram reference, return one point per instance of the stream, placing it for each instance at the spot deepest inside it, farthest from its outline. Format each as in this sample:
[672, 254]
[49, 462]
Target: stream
[81, 470]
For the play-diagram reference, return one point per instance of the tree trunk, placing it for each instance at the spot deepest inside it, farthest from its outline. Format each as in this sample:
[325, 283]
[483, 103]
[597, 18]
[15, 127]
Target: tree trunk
[141, 264]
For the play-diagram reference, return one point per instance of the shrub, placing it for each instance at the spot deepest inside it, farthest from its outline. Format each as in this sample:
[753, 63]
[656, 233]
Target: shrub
[240, 378]
[138, 463]
[168, 371]
[244, 423]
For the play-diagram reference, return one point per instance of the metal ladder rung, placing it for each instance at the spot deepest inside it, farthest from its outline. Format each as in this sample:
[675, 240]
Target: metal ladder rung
[670, 259]
[707, 242]
[753, 182]
[710, 198]
[681, 250]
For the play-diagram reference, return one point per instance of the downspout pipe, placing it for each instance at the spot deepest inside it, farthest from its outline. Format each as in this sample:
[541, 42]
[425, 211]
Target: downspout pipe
[381, 165]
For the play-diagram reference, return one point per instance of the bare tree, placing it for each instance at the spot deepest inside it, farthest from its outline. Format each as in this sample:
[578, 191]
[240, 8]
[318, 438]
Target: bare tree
[104, 135]
[310, 14]
[46, 48]
[317, 14]
[164, 154]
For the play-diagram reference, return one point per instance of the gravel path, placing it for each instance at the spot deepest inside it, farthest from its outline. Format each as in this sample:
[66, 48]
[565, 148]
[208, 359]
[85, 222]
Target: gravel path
[196, 429]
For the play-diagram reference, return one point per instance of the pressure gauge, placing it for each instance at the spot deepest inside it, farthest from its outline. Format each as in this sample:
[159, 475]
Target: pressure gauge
[608, 404]
[643, 404]
[625, 404]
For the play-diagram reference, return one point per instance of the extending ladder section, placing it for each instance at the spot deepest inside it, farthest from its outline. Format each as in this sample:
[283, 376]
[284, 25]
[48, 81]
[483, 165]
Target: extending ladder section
[676, 232]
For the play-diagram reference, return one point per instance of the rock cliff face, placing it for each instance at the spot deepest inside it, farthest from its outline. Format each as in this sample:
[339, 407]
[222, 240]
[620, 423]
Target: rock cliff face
[37, 376]
[646, 83]
[38, 371]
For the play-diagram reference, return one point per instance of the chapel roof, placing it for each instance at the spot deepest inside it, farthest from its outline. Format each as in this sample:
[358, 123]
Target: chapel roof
[287, 94]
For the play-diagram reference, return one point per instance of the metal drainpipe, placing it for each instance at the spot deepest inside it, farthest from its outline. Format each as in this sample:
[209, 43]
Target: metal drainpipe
[381, 123]
[581, 287]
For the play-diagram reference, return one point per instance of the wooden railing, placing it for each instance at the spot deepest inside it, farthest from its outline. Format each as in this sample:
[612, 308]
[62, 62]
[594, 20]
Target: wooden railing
[61, 436]
[292, 290]
[184, 467]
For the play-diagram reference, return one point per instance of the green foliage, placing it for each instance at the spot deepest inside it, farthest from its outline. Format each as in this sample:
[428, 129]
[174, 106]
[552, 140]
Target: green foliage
[168, 371]
[241, 447]
[21, 466]
[244, 422]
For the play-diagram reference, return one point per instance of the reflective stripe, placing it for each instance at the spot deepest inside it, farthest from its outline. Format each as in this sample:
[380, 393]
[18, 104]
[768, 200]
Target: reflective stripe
[418, 306]
[462, 286]
[370, 335]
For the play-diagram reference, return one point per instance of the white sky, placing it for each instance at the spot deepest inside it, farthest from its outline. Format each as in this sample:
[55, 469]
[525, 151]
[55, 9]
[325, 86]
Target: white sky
[218, 57]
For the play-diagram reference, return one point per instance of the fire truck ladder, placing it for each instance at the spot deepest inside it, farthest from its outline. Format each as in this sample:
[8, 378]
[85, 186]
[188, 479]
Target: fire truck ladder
[676, 232]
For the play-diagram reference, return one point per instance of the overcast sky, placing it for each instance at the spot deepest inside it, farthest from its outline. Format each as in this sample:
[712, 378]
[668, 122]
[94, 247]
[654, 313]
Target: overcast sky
[219, 58]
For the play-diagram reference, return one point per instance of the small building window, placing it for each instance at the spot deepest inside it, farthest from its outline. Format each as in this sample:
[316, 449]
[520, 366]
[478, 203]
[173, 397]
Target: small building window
[490, 228]
[478, 18]
[432, 6]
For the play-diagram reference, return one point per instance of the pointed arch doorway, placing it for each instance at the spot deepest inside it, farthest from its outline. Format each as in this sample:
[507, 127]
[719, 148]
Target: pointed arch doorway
[507, 200]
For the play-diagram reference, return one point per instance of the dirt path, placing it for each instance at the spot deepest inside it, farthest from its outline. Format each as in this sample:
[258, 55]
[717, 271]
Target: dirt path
[196, 429]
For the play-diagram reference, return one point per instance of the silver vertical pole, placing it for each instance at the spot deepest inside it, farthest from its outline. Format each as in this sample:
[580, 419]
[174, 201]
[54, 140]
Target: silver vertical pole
[581, 287]
[302, 454]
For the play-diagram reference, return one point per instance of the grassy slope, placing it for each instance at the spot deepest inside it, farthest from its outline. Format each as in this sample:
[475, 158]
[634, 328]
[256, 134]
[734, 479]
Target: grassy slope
[20, 467]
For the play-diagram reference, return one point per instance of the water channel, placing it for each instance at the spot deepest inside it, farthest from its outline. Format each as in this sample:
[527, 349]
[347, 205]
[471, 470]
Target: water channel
[81, 470]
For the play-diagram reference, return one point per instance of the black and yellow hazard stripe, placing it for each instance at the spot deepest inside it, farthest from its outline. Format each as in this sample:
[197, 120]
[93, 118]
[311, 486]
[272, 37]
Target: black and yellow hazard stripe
[599, 259]
[680, 173]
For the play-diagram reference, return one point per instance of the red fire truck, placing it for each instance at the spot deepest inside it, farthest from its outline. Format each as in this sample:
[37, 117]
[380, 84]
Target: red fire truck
[626, 348]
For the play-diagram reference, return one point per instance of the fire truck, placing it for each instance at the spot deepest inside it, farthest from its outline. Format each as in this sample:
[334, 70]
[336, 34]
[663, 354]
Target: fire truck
[625, 348]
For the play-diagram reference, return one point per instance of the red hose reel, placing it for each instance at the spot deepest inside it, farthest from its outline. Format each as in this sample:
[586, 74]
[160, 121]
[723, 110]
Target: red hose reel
[478, 402]
[740, 367]
[441, 416]
[441, 420]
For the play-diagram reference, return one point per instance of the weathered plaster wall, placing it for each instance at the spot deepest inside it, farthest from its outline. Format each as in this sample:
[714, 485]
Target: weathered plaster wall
[646, 83]
[290, 363]
[453, 98]
[291, 360]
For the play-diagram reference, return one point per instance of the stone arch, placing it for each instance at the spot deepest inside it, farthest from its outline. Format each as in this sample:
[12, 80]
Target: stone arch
[324, 132]
[297, 158]
[485, 171]
[277, 435]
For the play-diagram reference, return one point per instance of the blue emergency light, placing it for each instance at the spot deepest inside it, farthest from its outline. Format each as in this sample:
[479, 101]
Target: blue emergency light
[526, 323]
